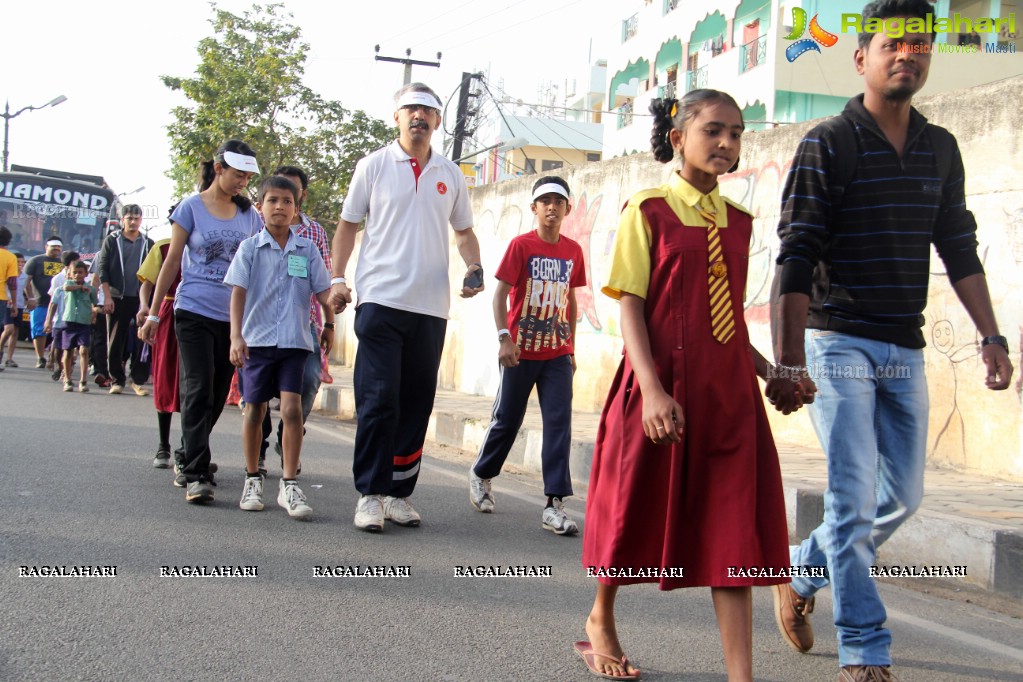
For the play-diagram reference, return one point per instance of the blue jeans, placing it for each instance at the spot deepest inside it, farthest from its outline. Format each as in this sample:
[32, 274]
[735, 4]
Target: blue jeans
[870, 416]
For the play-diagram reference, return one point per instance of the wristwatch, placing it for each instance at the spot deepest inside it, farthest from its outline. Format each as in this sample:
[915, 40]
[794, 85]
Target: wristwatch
[1000, 340]
[328, 325]
[501, 333]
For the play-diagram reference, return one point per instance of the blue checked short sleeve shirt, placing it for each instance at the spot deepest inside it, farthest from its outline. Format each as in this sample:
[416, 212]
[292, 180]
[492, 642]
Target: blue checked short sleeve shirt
[278, 284]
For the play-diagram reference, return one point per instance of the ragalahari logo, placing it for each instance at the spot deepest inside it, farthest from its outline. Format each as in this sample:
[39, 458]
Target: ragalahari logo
[817, 36]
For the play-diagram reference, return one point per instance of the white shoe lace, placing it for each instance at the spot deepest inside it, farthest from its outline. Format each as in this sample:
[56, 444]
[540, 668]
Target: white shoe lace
[253, 491]
[294, 495]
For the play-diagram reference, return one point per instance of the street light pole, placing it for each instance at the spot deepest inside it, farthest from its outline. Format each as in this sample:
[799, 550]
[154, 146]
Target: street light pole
[8, 116]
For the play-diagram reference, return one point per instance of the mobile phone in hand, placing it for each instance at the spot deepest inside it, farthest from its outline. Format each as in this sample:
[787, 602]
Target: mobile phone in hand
[474, 280]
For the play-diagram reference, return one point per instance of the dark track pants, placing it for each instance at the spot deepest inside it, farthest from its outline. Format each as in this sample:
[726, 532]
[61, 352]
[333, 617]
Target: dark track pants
[553, 381]
[395, 384]
[119, 329]
[205, 370]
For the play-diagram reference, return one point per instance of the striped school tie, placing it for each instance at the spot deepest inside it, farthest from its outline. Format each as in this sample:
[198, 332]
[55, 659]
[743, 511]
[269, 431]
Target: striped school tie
[722, 323]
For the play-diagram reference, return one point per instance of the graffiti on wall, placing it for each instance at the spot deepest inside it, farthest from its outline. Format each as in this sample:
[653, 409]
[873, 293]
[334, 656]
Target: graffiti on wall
[578, 225]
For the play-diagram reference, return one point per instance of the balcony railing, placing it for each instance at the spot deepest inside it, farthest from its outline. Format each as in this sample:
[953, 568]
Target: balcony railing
[671, 5]
[625, 115]
[629, 27]
[667, 90]
[754, 53]
[696, 79]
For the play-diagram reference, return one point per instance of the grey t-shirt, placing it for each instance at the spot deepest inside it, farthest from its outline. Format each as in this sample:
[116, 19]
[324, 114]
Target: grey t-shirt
[131, 257]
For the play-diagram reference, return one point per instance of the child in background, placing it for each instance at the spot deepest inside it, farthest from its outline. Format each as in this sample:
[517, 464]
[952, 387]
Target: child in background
[80, 306]
[54, 321]
[9, 340]
[273, 274]
[540, 270]
[165, 349]
[685, 473]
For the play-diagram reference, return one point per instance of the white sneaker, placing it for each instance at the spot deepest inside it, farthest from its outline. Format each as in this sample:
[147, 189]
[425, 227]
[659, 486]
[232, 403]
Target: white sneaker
[252, 494]
[116, 389]
[369, 513]
[556, 520]
[291, 497]
[479, 493]
[399, 510]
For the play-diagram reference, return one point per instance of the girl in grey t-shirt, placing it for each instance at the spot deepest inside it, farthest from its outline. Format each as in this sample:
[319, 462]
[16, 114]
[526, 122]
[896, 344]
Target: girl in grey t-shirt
[206, 230]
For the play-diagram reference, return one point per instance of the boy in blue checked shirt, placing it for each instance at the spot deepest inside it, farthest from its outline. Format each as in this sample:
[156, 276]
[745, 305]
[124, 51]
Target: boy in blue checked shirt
[273, 274]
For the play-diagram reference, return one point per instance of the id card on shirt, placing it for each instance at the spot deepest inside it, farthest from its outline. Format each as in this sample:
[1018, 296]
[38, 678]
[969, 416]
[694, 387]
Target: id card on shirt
[298, 266]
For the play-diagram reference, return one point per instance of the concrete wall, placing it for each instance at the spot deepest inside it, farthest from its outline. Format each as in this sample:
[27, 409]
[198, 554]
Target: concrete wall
[971, 428]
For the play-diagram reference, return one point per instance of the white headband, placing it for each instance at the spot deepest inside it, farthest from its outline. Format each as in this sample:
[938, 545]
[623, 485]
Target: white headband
[549, 188]
[241, 162]
[55, 242]
[418, 98]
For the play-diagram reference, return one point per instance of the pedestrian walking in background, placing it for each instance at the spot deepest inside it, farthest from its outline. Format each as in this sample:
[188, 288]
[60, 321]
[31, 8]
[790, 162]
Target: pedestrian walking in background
[80, 308]
[164, 354]
[118, 261]
[40, 270]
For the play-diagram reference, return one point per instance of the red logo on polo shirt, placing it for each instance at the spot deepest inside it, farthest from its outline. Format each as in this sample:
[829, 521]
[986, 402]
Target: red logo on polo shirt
[442, 188]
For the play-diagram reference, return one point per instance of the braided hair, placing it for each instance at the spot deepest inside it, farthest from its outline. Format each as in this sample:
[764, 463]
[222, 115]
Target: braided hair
[672, 113]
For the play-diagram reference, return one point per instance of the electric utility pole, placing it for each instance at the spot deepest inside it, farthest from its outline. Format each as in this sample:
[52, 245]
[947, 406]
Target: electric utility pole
[407, 61]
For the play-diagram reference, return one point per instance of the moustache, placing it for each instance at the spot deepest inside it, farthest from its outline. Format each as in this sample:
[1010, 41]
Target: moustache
[419, 124]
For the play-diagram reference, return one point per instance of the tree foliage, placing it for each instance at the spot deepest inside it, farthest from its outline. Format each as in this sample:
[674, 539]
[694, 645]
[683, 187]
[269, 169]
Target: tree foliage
[248, 85]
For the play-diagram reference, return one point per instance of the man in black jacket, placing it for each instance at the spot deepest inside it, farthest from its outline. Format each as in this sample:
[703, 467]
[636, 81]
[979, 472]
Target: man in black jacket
[119, 259]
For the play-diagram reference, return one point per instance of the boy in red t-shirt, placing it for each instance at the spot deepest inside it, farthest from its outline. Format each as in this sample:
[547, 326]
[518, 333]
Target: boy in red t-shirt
[539, 273]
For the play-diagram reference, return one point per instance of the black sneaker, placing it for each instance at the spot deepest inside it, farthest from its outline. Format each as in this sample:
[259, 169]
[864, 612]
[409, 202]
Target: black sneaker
[57, 371]
[162, 460]
[199, 492]
[40, 363]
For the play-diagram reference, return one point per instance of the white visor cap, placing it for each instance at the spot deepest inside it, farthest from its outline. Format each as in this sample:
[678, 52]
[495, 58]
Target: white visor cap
[550, 188]
[414, 98]
[241, 162]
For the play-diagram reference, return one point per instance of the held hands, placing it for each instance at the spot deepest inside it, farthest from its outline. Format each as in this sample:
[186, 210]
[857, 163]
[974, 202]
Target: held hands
[340, 297]
[473, 284]
[108, 306]
[141, 315]
[662, 419]
[789, 390]
[239, 351]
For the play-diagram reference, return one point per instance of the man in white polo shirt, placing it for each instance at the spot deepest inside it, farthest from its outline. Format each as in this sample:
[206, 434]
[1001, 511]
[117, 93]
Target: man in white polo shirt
[408, 194]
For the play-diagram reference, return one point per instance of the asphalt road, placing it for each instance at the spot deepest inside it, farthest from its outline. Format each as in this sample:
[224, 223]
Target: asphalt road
[78, 489]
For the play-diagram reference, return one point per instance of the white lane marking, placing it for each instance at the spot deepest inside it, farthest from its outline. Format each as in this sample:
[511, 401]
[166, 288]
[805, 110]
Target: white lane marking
[958, 635]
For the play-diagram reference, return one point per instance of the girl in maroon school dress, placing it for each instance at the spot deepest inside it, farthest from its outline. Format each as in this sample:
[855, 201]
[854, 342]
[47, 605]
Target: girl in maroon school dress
[685, 479]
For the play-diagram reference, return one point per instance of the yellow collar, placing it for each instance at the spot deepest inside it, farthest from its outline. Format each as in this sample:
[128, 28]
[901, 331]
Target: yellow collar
[693, 197]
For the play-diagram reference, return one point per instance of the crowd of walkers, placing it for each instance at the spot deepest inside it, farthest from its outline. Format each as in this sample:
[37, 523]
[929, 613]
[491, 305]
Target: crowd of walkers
[685, 479]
